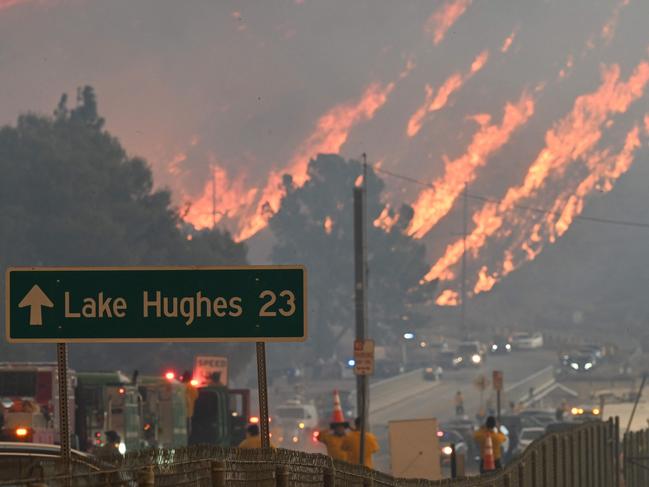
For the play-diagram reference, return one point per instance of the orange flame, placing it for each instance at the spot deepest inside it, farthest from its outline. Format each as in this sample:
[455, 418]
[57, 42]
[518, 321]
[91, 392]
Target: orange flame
[570, 139]
[386, 220]
[328, 225]
[4, 4]
[331, 132]
[604, 169]
[450, 86]
[608, 30]
[432, 204]
[507, 44]
[221, 198]
[444, 17]
[448, 298]
[485, 281]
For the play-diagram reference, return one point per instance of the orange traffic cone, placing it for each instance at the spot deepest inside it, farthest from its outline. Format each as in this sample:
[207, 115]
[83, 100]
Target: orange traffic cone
[488, 461]
[337, 417]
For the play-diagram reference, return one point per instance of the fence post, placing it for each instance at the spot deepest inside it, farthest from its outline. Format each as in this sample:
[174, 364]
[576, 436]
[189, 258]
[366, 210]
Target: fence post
[555, 461]
[521, 475]
[368, 482]
[281, 476]
[625, 454]
[328, 477]
[574, 455]
[217, 471]
[507, 481]
[606, 433]
[616, 451]
[545, 464]
[146, 477]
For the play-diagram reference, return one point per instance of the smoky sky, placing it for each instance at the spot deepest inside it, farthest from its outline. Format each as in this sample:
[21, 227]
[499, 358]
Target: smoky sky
[241, 84]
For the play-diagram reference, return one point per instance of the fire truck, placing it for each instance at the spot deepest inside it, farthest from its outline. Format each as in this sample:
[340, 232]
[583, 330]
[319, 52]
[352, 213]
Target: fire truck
[29, 402]
[108, 401]
[164, 411]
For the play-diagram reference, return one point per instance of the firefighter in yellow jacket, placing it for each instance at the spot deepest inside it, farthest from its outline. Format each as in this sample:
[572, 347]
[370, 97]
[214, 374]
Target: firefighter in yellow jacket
[333, 437]
[352, 445]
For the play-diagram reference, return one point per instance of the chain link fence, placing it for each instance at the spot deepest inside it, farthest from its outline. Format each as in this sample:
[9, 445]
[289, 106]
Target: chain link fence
[635, 451]
[583, 456]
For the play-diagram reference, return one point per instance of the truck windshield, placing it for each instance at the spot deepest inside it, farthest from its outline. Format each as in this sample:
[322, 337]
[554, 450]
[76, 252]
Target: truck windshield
[290, 413]
[17, 384]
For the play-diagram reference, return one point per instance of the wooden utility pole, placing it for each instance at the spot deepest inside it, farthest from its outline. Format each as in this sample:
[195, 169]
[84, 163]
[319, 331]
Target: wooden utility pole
[360, 280]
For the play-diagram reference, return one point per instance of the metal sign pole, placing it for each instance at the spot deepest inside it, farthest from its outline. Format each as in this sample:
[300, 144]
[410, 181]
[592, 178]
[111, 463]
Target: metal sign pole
[64, 416]
[360, 281]
[263, 394]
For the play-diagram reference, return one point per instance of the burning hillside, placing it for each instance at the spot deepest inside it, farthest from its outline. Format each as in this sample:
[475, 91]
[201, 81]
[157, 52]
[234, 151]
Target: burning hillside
[536, 107]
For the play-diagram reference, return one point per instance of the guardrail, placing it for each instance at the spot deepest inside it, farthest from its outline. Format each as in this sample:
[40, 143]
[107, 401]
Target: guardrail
[586, 455]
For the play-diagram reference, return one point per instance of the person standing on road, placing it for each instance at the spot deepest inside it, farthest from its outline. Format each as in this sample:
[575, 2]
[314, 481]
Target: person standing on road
[497, 439]
[459, 403]
[334, 437]
[253, 438]
[352, 445]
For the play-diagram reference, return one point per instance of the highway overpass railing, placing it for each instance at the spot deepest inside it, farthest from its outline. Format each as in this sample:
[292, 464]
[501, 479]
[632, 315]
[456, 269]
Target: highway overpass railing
[585, 455]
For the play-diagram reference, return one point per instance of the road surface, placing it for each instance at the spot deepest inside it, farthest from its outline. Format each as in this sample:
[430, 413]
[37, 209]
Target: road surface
[437, 401]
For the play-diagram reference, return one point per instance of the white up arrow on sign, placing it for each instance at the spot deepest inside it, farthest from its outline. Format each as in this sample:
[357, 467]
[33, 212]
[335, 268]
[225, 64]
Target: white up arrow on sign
[36, 299]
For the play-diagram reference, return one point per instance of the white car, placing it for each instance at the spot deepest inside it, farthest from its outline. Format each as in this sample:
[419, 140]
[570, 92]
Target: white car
[527, 341]
[527, 436]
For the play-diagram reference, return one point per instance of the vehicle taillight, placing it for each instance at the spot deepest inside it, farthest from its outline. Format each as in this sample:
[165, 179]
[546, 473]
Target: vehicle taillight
[254, 419]
[193, 382]
[170, 375]
[22, 432]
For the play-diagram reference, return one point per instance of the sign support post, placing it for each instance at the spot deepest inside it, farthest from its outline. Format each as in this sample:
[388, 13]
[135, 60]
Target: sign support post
[360, 278]
[64, 416]
[497, 379]
[263, 394]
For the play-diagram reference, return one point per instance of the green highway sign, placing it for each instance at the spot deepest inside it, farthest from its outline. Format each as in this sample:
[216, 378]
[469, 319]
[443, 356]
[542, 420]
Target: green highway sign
[155, 304]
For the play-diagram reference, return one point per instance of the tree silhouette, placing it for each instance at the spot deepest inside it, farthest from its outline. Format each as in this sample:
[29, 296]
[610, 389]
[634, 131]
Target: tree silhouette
[70, 195]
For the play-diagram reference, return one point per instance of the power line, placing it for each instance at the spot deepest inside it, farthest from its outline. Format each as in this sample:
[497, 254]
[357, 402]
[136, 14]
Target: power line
[535, 209]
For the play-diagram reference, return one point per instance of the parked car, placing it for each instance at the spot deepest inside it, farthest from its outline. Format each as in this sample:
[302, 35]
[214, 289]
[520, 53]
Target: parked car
[434, 372]
[472, 353]
[527, 436]
[449, 360]
[580, 362]
[537, 418]
[585, 413]
[526, 341]
[446, 439]
[385, 368]
[500, 345]
[596, 350]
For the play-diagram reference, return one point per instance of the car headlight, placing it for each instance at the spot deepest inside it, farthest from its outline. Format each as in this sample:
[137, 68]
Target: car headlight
[447, 450]
[574, 365]
[588, 366]
[494, 347]
[596, 412]
[508, 346]
[476, 359]
[301, 425]
[574, 411]
[121, 448]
